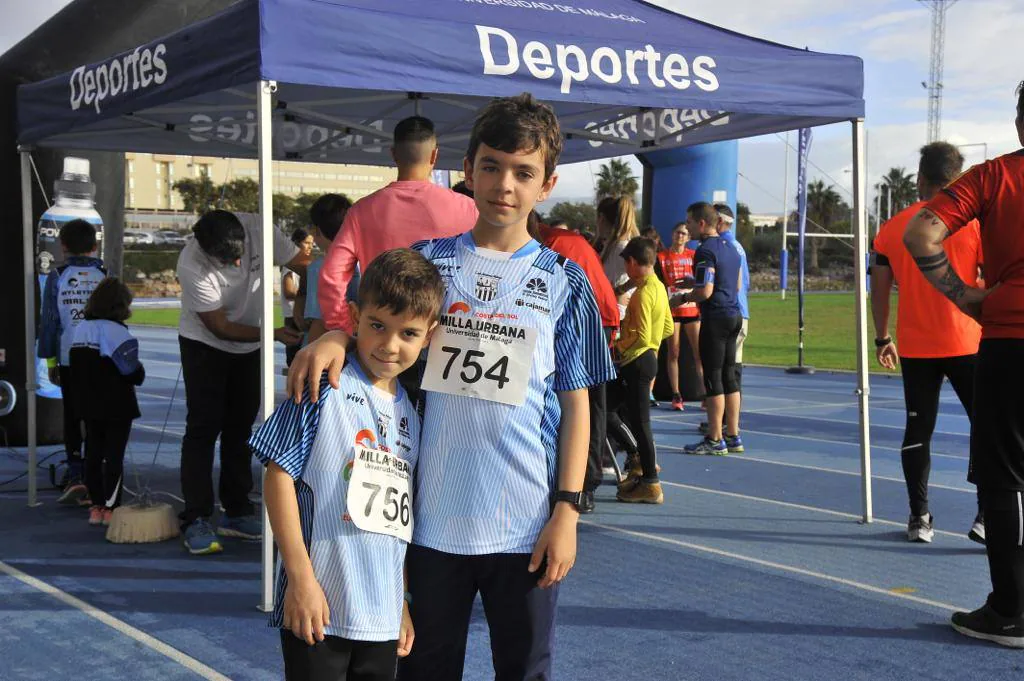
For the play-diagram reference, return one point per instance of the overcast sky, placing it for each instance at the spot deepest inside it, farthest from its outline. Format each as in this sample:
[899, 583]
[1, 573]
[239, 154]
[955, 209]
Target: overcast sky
[982, 67]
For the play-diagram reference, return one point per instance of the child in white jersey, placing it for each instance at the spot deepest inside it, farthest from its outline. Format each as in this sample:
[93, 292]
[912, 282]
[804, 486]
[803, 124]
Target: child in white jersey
[105, 370]
[339, 487]
[64, 296]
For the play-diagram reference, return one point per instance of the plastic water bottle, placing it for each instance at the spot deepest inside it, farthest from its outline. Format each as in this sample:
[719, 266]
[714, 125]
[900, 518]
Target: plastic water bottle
[74, 199]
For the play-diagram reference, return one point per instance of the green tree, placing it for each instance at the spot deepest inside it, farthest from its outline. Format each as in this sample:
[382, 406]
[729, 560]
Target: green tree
[241, 194]
[744, 227]
[901, 185]
[824, 206]
[580, 216]
[616, 179]
[199, 195]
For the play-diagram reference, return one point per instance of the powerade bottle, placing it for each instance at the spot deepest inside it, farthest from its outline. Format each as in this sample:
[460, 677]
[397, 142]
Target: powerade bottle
[74, 199]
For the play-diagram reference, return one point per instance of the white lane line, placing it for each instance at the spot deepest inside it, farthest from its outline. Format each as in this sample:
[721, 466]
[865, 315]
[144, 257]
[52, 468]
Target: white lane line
[948, 607]
[120, 626]
[819, 440]
[157, 429]
[822, 469]
[799, 507]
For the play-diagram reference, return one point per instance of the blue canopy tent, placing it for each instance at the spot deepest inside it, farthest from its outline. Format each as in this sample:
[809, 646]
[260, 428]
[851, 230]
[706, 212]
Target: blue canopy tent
[326, 81]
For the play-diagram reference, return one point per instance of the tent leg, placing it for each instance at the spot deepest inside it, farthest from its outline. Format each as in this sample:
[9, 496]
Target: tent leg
[30, 322]
[860, 275]
[265, 90]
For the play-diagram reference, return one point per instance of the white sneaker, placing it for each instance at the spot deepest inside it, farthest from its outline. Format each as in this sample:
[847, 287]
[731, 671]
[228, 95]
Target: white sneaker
[919, 528]
[977, 532]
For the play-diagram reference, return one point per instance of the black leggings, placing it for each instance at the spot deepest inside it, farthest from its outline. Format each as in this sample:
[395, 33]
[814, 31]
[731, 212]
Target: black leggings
[105, 444]
[718, 354]
[922, 383]
[638, 375]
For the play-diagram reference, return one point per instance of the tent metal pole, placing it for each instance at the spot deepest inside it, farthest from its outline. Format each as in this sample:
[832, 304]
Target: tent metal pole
[30, 321]
[860, 276]
[783, 260]
[265, 90]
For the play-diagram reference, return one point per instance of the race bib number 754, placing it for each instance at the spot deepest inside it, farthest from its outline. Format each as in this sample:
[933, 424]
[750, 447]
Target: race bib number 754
[475, 358]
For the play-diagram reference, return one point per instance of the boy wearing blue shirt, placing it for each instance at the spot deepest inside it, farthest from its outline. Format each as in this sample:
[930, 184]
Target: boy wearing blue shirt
[339, 487]
[65, 294]
[506, 422]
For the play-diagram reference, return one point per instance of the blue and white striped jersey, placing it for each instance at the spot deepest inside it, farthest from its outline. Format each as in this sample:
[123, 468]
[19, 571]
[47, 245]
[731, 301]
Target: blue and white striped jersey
[360, 572]
[488, 469]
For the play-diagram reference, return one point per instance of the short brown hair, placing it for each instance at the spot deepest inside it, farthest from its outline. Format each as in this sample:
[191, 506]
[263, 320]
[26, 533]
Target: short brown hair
[702, 210]
[111, 300]
[402, 279]
[941, 163]
[519, 123]
[641, 249]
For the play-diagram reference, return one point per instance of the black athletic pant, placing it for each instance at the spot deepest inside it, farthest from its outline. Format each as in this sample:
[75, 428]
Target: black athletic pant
[222, 395]
[338, 659]
[997, 467]
[72, 424]
[718, 353]
[520, 615]
[105, 444]
[637, 376]
[922, 383]
[598, 398]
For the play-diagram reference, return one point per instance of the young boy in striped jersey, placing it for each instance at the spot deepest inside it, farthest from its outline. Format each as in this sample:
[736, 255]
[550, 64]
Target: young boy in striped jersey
[339, 487]
[506, 421]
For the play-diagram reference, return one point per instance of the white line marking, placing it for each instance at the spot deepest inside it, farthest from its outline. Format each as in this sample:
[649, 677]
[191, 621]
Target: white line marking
[810, 439]
[799, 507]
[779, 566]
[120, 626]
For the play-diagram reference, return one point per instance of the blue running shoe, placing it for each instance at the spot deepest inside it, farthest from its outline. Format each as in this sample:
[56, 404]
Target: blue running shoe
[707, 447]
[243, 527]
[734, 444]
[200, 539]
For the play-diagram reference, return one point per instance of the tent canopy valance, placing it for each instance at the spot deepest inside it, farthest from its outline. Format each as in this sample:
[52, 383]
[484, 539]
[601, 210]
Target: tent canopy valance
[624, 77]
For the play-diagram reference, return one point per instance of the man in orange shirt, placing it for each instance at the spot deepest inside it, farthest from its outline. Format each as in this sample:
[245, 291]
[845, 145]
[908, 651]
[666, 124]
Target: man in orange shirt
[926, 356]
[993, 194]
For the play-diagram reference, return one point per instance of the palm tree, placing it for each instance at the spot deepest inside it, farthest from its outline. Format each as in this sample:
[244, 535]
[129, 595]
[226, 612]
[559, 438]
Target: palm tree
[616, 179]
[901, 185]
[823, 207]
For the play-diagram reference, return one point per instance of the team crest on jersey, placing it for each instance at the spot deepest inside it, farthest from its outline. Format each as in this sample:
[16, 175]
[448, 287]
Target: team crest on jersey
[403, 426]
[383, 422]
[487, 287]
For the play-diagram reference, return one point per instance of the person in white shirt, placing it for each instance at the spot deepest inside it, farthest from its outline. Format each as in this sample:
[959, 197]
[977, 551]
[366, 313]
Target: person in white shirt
[219, 336]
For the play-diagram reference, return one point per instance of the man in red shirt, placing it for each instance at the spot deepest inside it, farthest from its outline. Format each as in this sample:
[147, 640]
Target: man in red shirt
[559, 238]
[993, 194]
[927, 357]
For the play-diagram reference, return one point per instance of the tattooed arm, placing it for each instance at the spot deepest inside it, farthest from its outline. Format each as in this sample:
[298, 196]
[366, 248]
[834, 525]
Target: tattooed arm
[923, 239]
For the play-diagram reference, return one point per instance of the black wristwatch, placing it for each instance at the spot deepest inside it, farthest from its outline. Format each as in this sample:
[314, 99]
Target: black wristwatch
[882, 342]
[574, 498]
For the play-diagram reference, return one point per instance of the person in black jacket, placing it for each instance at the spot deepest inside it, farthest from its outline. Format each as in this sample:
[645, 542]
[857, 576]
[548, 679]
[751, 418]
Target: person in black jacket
[105, 357]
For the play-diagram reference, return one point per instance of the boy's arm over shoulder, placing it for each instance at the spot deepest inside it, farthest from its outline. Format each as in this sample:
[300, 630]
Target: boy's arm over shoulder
[581, 351]
[287, 436]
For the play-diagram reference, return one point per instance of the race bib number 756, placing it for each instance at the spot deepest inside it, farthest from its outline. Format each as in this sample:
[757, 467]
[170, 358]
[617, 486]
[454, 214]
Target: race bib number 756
[475, 358]
[380, 493]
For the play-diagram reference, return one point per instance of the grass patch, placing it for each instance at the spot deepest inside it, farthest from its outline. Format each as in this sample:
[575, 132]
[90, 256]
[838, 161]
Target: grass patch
[169, 317]
[830, 330]
[830, 339]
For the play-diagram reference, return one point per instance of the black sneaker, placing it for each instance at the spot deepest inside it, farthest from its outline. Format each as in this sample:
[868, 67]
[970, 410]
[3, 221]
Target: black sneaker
[977, 533]
[587, 502]
[988, 625]
[919, 528]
